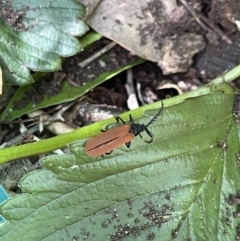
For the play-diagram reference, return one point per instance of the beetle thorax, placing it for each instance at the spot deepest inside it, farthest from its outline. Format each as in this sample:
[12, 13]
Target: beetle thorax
[136, 129]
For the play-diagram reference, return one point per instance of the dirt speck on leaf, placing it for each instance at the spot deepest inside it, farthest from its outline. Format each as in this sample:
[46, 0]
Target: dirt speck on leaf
[11, 16]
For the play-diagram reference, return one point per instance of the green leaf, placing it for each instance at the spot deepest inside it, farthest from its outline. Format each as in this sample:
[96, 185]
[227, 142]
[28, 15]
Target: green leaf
[11, 113]
[47, 32]
[67, 93]
[175, 187]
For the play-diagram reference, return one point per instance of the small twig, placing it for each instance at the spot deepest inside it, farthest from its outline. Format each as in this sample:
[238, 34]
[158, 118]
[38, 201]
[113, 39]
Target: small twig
[192, 12]
[200, 18]
[132, 98]
[71, 82]
[96, 55]
[216, 29]
[58, 115]
[53, 124]
[49, 119]
[17, 139]
[31, 119]
[140, 93]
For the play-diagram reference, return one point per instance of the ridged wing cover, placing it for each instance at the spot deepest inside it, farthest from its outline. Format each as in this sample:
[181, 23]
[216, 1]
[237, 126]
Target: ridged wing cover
[109, 140]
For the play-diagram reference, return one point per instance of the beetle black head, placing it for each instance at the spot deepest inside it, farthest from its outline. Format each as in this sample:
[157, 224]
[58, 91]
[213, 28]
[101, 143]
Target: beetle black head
[136, 129]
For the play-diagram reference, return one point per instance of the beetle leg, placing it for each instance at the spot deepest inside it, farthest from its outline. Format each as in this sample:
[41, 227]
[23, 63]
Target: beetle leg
[128, 144]
[108, 153]
[131, 119]
[118, 119]
[140, 135]
[150, 134]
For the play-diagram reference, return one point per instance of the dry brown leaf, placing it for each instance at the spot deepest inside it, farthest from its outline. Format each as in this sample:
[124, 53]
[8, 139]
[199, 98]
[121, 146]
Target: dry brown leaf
[145, 27]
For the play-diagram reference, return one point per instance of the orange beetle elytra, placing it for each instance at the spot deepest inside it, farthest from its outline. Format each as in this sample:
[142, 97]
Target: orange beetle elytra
[115, 137]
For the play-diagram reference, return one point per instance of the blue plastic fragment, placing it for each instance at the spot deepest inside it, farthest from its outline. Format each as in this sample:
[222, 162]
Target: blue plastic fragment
[3, 197]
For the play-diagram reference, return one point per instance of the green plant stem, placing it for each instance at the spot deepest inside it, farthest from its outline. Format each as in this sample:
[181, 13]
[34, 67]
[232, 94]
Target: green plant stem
[51, 144]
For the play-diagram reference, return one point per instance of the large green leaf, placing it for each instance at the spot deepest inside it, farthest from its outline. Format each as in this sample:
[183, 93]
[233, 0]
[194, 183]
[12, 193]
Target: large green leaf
[174, 188]
[47, 32]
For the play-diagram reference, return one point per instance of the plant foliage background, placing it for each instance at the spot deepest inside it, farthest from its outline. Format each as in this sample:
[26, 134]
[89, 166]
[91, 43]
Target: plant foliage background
[176, 187]
[36, 34]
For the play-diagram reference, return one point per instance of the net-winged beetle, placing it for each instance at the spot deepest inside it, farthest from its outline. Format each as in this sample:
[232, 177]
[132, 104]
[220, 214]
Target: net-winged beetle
[117, 136]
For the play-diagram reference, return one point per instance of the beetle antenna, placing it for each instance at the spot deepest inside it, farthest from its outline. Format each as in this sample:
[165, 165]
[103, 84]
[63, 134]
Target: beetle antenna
[156, 116]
